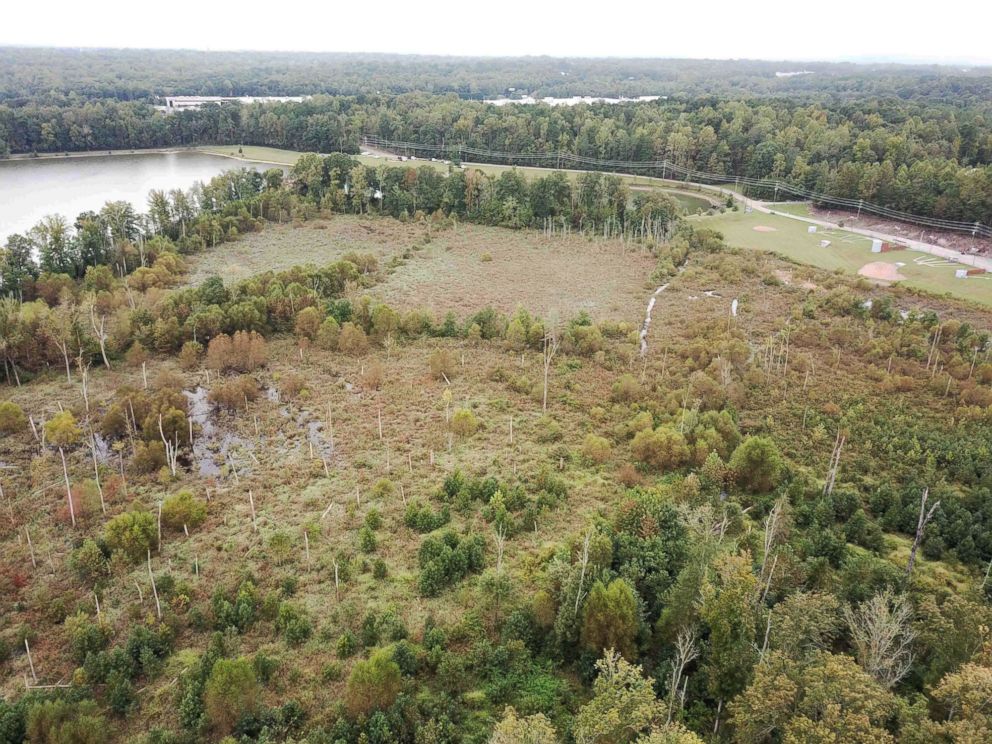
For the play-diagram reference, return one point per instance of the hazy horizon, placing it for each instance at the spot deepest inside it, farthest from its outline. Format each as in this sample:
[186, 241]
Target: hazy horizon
[909, 61]
[851, 32]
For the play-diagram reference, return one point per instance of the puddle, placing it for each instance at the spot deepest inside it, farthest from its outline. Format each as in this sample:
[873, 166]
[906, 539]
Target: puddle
[212, 447]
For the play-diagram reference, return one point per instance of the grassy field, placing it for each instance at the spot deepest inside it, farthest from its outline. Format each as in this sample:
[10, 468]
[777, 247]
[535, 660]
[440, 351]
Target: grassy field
[847, 252]
[800, 209]
[461, 269]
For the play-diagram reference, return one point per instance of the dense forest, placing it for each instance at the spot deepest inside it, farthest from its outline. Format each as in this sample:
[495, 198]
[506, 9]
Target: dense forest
[926, 159]
[66, 76]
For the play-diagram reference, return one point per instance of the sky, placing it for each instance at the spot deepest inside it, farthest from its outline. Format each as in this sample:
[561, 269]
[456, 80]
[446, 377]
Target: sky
[957, 33]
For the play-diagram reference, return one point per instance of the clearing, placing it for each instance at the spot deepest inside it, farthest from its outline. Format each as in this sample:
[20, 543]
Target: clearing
[462, 269]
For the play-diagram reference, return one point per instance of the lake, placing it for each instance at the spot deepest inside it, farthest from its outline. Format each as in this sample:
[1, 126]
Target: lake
[31, 189]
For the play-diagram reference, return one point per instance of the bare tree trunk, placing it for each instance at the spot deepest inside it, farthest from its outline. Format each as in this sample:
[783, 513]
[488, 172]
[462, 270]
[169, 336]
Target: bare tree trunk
[68, 488]
[921, 525]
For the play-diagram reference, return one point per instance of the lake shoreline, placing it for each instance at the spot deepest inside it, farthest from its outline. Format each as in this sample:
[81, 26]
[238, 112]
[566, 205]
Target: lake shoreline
[206, 149]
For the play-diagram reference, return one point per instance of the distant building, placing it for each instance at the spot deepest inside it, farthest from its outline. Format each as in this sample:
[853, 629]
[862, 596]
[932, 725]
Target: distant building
[183, 103]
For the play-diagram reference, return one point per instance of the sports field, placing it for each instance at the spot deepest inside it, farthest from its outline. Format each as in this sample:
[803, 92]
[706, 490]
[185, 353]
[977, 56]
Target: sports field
[846, 252]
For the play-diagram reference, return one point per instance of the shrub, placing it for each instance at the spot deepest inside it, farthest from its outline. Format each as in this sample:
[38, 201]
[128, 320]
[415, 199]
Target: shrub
[464, 423]
[373, 685]
[446, 559]
[183, 510]
[148, 456]
[596, 449]
[366, 539]
[189, 355]
[88, 562]
[62, 722]
[244, 352]
[610, 620]
[423, 519]
[132, 533]
[347, 645]
[293, 623]
[441, 363]
[233, 393]
[662, 448]
[85, 636]
[308, 322]
[230, 692]
[757, 464]
[352, 340]
[379, 569]
[327, 334]
[61, 430]
[12, 418]
[373, 376]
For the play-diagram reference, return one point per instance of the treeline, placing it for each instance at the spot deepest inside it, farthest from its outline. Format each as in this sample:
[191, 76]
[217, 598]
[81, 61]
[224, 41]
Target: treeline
[927, 159]
[72, 75]
[238, 201]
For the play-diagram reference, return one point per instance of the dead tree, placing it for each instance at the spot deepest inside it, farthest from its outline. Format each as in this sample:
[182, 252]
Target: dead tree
[883, 634]
[685, 651]
[96, 473]
[921, 525]
[582, 574]
[158, 607]
[828, 486]
[100, 331]
[551, 344]
[68, 487]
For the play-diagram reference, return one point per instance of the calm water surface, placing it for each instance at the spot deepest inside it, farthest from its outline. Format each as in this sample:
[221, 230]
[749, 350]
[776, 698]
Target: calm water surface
[31, 189]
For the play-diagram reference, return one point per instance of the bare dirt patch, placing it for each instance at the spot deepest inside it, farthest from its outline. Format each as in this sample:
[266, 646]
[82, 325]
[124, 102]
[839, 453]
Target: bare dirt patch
[881, 271]
[763, 228]
[956, 241]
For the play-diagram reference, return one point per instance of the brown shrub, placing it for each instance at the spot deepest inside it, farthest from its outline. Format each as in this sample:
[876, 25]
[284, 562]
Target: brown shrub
[442, 364]
[373, 376]
[244, 352]
[352, 340]
[233, 393]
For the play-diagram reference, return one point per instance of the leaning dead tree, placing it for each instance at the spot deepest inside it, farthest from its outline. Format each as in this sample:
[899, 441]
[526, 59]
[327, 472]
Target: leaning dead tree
[100, 331]
[921, 525]
[828, 485]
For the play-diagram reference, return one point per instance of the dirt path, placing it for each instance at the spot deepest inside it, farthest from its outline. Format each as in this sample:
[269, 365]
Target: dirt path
[647, 318]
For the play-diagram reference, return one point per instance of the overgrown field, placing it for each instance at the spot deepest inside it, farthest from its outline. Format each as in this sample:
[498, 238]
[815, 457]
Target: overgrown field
[439, 477]
[459, 269]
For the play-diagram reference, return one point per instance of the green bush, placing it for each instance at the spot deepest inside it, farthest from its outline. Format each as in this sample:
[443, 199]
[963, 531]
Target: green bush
[132, 533]
[464, 423]
[12, 418]
[182, 509]
[423, 519]
[366, 539]
[230, 692]
[446, 559]
[662, 448]
[293, 623]
[373, 685]
[757, 464]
